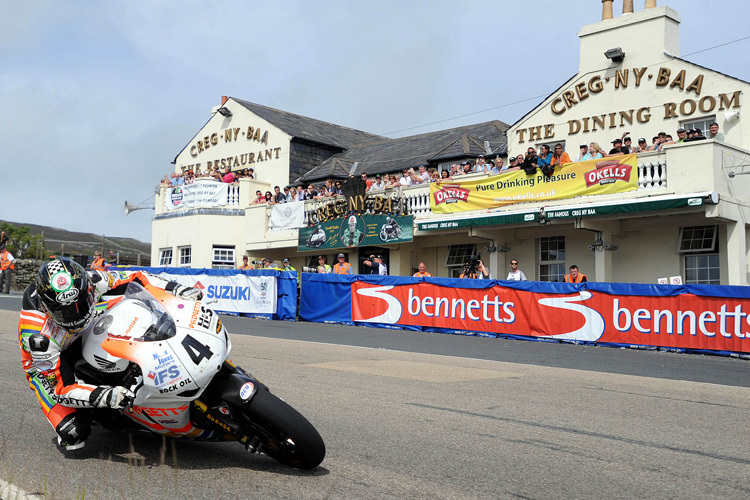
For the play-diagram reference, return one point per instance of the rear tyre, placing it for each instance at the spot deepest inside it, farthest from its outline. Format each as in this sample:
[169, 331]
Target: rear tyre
[286, 435]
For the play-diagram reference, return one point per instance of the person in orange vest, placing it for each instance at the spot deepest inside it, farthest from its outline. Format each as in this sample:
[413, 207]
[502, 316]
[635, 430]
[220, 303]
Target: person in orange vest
[575, 276]
[98, 264]
[342, 266]
[6, 269]
[244, 266]
[422, 271]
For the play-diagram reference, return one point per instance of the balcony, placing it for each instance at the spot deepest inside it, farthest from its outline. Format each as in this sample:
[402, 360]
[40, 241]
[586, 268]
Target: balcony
[680, 169]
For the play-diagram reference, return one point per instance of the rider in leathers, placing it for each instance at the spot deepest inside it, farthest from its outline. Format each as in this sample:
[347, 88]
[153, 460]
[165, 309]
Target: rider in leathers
[57, 309]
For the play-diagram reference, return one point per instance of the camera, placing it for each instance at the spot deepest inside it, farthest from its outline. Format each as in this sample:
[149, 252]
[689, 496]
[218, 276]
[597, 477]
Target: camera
[306, 269]
[256, 262]
[471, 265]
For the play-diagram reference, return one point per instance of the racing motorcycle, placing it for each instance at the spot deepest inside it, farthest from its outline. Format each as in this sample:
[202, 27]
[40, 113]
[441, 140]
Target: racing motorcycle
[390, 231]
[174, 355]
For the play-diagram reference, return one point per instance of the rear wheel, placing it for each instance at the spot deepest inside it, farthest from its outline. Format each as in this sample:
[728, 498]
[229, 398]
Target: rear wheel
[285, 435]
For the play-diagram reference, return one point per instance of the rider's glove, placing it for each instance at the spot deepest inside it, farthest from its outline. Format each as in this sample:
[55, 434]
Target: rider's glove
[116, 398]
[187, 292]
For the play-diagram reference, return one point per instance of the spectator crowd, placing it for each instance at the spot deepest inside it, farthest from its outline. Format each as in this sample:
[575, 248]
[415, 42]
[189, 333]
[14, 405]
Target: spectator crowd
[545, 160]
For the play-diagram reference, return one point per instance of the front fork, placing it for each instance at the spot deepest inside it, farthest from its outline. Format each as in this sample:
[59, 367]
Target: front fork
[231, 388]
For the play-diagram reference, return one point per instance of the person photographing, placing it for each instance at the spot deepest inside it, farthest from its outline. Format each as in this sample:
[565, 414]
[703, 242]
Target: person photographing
[475, 269]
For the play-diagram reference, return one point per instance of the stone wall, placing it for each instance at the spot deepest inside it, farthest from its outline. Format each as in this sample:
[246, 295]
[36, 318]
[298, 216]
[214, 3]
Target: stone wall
[25, 273]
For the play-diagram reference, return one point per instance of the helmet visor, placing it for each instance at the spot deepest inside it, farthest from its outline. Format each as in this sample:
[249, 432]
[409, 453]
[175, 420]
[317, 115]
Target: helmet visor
[73, 315]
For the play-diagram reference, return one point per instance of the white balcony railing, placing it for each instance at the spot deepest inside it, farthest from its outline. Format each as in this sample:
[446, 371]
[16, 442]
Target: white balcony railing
[415, 200]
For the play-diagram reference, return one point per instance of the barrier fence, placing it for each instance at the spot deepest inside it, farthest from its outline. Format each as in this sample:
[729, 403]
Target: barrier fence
[257, 293]
[694, 318]
[687, 318]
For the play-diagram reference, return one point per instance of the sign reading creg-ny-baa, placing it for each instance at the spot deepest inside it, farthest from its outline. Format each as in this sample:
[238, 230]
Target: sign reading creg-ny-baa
[236, 135]
[692, 85]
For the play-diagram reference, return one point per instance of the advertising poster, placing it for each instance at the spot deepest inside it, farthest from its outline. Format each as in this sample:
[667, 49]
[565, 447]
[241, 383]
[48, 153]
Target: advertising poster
[615, 174]
[356, 230]
[199, 194]
[687, 317]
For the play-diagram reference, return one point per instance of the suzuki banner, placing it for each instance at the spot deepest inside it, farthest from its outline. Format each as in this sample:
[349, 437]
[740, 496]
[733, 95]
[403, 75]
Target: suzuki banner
[199, 194]
[615, 174]
[690, 317]
[356, 230]
[264, 293]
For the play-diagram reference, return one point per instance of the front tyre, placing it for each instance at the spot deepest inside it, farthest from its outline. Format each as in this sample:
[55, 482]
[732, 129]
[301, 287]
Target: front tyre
[286, 435]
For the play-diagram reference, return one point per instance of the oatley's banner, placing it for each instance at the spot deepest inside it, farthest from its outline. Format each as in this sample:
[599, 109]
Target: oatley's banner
[615, 174]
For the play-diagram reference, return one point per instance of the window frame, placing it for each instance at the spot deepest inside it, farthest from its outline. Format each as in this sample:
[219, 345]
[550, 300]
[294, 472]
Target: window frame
[230, 256]
[709, 267]
[162, 254]
[185, 256]
[707, 121]
[457, 257]
[557, 263]
[703, 249]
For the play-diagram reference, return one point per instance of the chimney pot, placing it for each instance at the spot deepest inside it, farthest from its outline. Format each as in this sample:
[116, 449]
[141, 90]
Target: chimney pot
[607, 9]
[224, 100]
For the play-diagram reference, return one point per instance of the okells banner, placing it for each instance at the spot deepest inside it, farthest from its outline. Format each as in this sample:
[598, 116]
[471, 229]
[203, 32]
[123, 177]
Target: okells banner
[615, 174]
[688, 317]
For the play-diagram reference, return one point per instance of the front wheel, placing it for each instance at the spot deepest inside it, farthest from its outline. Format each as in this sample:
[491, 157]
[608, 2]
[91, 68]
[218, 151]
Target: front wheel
[286, 435]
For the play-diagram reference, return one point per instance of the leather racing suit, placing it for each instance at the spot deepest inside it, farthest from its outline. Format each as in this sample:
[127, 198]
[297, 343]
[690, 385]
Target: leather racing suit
[49, 353]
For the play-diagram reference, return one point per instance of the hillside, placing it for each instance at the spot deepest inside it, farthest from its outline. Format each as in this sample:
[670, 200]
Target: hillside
[59, 241]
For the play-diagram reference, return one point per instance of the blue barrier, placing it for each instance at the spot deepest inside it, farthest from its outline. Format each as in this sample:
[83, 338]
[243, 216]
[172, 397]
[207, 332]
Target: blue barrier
[686, 318]
[286, 288]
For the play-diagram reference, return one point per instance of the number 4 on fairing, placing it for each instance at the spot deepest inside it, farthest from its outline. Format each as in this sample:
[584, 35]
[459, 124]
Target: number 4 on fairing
[196, 350]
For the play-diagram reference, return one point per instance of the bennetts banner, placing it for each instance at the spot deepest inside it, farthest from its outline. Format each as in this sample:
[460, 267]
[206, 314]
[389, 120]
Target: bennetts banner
[356, 230]
[603, 176]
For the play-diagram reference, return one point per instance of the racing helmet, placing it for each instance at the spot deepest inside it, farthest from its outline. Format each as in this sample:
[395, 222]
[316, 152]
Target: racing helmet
[65, 293]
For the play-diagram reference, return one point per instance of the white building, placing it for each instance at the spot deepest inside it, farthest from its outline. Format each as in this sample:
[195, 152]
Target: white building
[686, 218]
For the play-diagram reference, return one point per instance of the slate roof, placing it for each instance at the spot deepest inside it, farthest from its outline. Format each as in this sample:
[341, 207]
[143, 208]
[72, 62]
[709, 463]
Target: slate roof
[391, 155]
[310, 129]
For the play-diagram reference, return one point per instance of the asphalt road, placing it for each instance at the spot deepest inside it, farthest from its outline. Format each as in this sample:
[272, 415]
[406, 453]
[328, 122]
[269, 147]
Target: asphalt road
[415, 415]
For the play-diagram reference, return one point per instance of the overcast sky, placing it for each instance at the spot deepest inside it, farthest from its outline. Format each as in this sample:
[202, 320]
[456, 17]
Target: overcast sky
[99, 97]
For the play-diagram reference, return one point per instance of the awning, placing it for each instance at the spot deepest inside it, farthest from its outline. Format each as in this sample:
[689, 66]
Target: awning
[650, 204]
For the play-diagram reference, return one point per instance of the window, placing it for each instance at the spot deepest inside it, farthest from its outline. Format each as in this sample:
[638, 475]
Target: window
[458, 255]
[185, 256]
[697, 239]
[700, 245]
[701, 125]
[702, 269]
[165, 257]
[552, 259]
[223, 257]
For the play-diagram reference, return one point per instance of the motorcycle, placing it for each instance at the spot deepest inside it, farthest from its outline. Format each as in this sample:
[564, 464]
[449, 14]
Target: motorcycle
[174, 355]
[390, 232]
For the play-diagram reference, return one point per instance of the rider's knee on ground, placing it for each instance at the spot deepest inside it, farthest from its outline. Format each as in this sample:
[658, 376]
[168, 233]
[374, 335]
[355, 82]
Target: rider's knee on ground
[73, 430]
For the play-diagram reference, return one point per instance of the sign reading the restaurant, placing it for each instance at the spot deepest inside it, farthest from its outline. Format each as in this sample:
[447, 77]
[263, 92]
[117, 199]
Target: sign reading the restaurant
[356, 230]
[250, 136]
[691, 86]
[615, 174]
